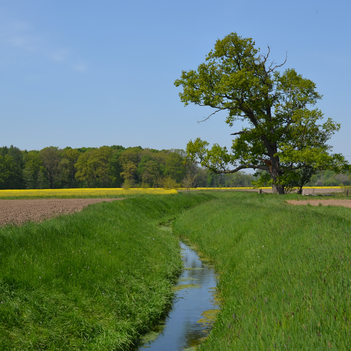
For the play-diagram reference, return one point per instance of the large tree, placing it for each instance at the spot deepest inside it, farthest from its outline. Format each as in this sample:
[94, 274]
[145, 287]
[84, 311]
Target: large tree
[282, 136]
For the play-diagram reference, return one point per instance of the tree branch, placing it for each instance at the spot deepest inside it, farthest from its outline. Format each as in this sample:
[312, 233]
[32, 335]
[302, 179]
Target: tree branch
[242, 132]
[239, 168]
[205, 119]
[265, 57]
[271, 68]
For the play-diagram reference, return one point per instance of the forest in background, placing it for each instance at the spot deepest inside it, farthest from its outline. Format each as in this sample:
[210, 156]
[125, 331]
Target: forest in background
[116, 166]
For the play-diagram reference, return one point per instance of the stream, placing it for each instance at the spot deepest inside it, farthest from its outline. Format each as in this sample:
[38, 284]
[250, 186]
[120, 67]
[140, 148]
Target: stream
[193, 311]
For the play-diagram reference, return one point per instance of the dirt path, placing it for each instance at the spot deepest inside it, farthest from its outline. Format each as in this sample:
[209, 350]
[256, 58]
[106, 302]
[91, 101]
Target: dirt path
[20, 211]
[344, 203]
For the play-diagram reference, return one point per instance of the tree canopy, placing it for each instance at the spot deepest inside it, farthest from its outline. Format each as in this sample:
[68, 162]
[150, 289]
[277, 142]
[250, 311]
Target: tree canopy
[285, 137]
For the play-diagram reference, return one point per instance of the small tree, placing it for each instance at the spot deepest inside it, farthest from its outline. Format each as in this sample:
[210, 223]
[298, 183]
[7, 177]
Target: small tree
[283, 135]
[169, 183]
[188, 180]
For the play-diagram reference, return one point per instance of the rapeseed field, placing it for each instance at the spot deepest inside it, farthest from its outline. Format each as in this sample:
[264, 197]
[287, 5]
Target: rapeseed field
[83, 192]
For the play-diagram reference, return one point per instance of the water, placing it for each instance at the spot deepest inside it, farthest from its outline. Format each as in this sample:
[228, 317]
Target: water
[194, 308]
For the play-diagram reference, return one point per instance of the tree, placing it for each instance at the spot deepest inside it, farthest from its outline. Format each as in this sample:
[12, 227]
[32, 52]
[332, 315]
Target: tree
[84, 172]
[51, 158]
[33, 169]
[99, 162]
[175, 166]
[8, 172]
[188, 180]
[129, 172]
[115, 169]
[282, 136]
[67, 165]
[149, 171]
[13, 162]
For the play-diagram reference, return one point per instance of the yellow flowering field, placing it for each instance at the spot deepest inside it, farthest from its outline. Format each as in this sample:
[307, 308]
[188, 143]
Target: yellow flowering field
[113, 192]
[225, 188]
[263, 188]
[83, 192]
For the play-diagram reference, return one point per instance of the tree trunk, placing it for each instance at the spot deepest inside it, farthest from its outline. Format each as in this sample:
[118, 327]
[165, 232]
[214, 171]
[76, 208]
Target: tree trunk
[274, 171]
[277, 189]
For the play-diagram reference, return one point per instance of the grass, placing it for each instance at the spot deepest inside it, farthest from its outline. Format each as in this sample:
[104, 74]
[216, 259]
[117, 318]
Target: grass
[94, 280]
[285, 271]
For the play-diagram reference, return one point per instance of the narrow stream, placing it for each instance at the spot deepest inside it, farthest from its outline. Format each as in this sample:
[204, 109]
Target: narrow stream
[194, 309]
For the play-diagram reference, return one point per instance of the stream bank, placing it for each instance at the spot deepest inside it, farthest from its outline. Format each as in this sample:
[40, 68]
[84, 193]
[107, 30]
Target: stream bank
[194, 309]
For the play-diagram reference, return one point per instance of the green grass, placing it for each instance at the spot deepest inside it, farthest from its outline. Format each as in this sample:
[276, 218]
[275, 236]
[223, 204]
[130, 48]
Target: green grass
[94, 280]
[285, 271]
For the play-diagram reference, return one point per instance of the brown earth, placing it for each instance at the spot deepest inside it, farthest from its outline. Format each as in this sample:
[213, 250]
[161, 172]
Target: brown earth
[344, 203]
[20, 211]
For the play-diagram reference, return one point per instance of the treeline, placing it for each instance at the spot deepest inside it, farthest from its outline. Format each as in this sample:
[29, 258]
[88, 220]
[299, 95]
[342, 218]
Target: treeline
[107, 166]
[116, 166]
[330, 178]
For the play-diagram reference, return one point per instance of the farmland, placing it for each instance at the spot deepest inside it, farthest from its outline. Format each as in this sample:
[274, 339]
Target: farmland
[93, 280]
[81, 193]
[100, 278]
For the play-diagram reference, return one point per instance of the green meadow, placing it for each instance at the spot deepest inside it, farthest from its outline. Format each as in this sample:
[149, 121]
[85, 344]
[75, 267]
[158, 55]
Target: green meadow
[94, 280]
[285, 271]
[101, 278]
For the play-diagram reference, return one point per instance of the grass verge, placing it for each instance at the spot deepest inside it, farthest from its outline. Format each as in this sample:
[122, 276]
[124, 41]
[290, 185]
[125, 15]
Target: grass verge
[284, 271]
[94, 280]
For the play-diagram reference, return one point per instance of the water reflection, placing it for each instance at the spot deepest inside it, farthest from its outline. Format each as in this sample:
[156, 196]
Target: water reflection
[182, 328]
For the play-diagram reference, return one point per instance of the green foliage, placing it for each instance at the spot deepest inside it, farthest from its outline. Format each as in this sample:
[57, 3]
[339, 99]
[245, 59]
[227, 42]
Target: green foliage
[239, 179]
[9, 173]
[106, 166]
[93, 167]
[263, 179]
[33, 170]
[69, 159]
[283, 271]
[169, 183]
[330, 178]
[115, 170]
[283, 134]
[11, 165]
[51, 158]
[175, 166]
[127, 184]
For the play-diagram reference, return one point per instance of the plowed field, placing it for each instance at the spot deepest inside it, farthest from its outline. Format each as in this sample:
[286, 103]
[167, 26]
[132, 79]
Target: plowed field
[344, 203]
[20, 211]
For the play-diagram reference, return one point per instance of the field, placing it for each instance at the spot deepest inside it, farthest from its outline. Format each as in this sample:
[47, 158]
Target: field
[284, 271]
[82, 193]
[92, 280]
[100, 278]
[21, 211]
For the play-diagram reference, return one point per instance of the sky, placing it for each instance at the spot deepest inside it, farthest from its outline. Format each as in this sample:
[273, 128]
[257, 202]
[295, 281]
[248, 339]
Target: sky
[93, 73]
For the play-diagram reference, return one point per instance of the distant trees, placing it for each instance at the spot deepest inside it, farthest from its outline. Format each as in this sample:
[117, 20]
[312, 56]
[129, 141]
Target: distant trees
[113, 166]
[9, 176]
[330, 178]
[11, 165]
[51, 159]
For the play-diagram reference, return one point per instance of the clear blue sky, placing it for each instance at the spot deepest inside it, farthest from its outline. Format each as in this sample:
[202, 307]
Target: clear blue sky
[92, 73]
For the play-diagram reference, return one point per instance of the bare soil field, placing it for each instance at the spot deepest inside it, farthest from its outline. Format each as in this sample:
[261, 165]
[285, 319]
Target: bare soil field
[344, 203]
[20, 211]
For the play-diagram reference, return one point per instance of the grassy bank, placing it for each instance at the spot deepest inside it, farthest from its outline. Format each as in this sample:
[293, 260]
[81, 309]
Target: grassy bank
[285, 271]
[94, 280]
